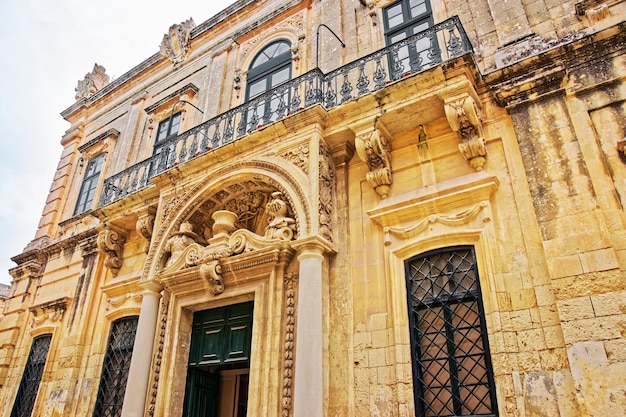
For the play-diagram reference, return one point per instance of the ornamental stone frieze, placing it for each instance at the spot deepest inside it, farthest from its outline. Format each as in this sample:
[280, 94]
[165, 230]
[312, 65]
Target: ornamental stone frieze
[326, 193]
[465, 119]
[176, 44]
[374, 148]
[111, 241]
[49, 312]
[93, 82]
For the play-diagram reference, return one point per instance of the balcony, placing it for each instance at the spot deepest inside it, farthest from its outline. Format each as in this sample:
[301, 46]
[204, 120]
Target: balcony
[434, 46]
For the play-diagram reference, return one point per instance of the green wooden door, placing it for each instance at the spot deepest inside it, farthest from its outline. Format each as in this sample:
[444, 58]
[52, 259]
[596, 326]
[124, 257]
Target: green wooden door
[201, 394]
[221, 335]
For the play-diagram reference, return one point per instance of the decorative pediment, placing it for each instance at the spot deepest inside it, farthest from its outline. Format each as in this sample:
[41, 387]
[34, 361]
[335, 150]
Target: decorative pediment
[92, 83]
[176, 43]
[102, 143]
[185, 250]
[51, 311]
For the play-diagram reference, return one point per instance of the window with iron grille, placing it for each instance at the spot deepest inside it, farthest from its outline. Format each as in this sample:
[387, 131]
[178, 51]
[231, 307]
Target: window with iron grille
[90, 183]
[115, 368]
[452, 372]
[403, 19]
[27, 392]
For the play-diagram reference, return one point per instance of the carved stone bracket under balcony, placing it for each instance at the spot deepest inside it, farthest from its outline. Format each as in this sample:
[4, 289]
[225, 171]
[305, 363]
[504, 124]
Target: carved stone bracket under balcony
[111, 241]
[464, 118]
[374, 148]
[145, 225]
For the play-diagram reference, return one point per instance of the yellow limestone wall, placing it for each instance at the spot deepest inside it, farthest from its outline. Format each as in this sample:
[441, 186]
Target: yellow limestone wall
[544, 214]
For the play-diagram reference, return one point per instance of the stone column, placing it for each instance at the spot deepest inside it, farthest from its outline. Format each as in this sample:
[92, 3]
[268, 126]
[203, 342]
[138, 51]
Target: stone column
[139, 373]
[308, 378]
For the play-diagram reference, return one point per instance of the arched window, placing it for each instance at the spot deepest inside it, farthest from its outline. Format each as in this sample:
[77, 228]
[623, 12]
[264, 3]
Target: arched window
[270, 68]
[452, 372]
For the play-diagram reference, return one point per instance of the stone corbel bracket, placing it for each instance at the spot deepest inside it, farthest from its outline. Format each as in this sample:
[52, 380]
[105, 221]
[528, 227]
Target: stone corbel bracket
[464, 117]
[145, 226]
[373, 147]
[111, 241]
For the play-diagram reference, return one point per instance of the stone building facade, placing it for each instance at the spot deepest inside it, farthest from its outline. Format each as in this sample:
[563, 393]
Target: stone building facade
[337, 208]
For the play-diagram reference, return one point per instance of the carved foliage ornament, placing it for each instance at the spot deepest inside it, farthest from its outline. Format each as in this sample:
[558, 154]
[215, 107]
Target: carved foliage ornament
[326, 186]
[111, 242]
[464, 118]
[92, 83]
[374, 148]
[175, 45]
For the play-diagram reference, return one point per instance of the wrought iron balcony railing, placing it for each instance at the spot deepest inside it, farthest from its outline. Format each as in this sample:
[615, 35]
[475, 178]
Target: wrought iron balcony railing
[424, 50]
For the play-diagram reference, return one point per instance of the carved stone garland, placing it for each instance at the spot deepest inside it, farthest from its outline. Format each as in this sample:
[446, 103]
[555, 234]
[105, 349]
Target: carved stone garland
[374, 148]
[111, 242]
[290, 327]
[464, 118]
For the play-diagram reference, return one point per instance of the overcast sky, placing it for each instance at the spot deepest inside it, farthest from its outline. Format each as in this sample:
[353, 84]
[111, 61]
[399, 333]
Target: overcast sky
[47, 46]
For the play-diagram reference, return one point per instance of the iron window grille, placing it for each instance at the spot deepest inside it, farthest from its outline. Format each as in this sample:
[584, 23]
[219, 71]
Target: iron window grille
[89, 185]
[115, 368]
[452, 371]
[31, 379]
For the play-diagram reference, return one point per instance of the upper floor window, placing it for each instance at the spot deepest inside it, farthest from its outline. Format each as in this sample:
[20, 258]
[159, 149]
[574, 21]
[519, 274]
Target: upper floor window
[27, 392]
[452, 372]
[89, 185]
[403, 19]
[168, 127]
[270, 68]
[115, 368]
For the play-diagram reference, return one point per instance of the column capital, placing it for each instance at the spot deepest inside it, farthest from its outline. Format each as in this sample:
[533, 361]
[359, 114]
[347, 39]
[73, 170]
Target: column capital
[151, 286]
[313, 245]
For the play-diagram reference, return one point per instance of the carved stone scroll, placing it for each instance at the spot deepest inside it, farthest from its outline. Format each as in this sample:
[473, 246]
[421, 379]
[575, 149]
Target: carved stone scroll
[464, 118]
[374, 148]
[144, 227]
[111, 242]
[176, 42]
[212, 273]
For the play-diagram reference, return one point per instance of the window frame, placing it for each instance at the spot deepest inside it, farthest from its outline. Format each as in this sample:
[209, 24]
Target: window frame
[413, 55]
[89, 185]
[265, 71]
[24, 402]
[448, 332]
[101, 403]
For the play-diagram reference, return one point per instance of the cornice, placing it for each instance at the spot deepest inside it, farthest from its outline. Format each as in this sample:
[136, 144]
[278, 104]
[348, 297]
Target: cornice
[183, 90]
[44, 252]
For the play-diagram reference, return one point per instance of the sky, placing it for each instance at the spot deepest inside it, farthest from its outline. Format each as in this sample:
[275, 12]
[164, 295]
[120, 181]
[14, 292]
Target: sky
[47, 47]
